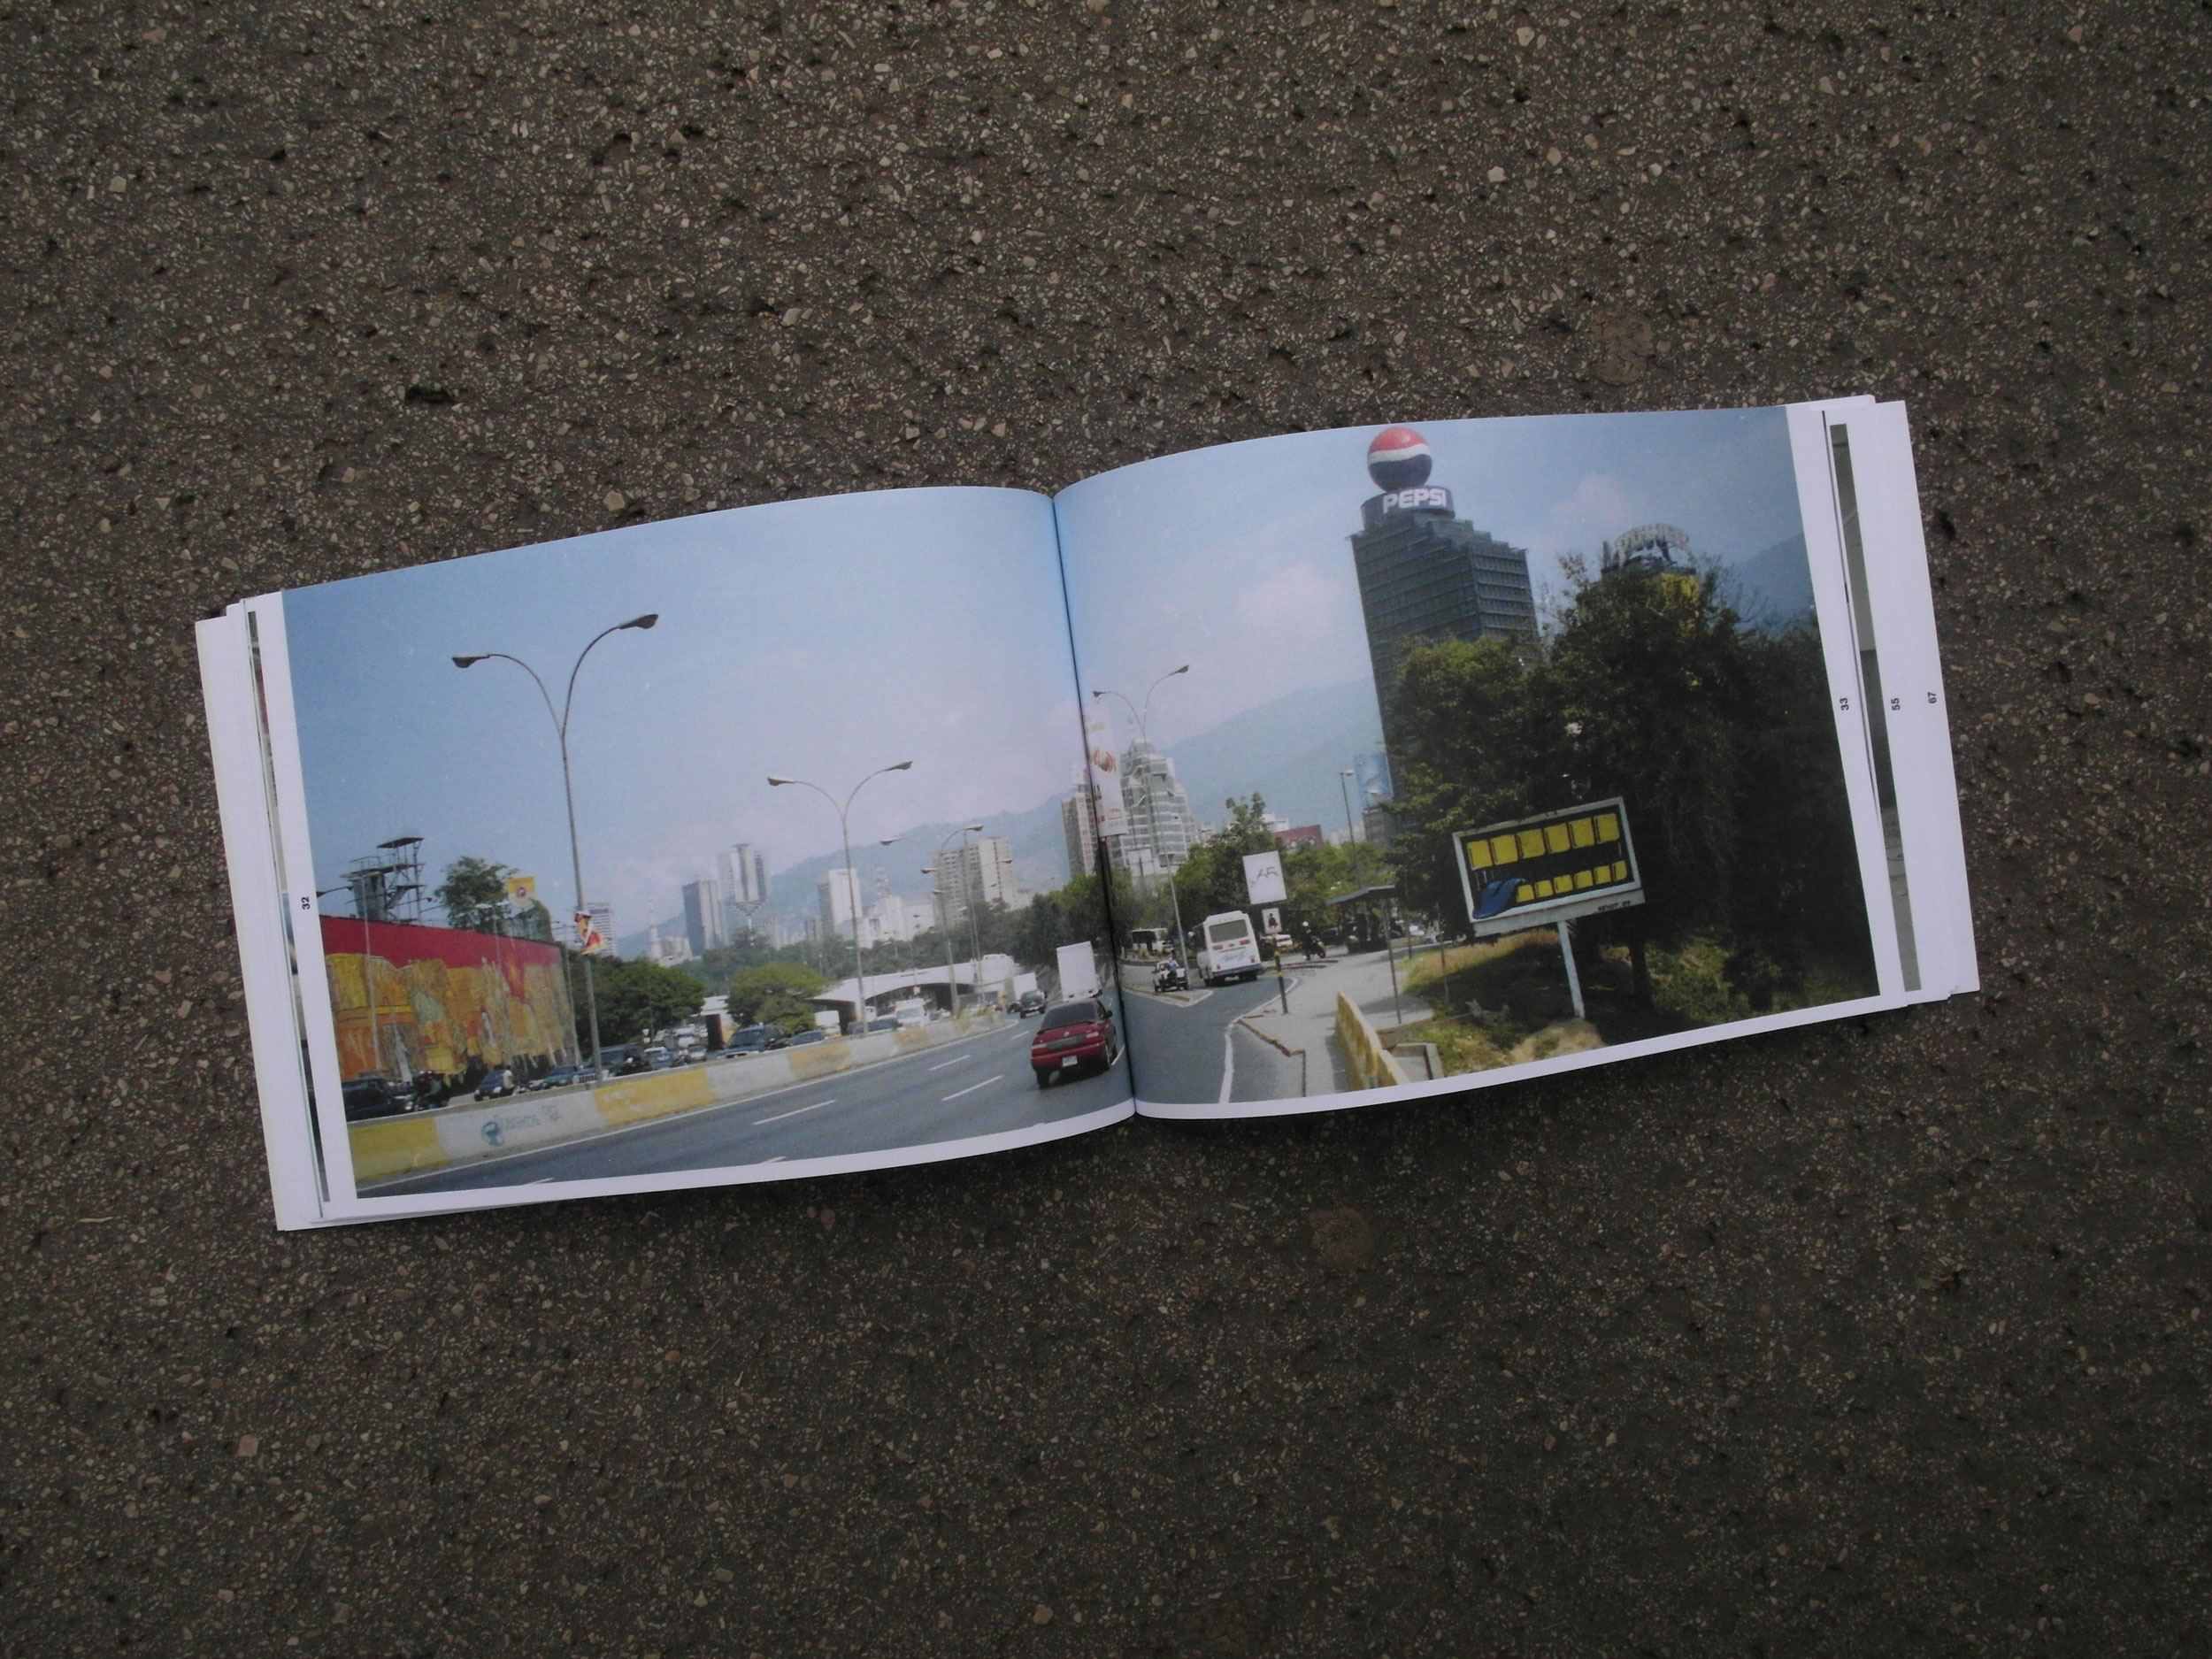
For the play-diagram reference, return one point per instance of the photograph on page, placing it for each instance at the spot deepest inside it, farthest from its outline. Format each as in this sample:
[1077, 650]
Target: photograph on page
[700, 850]
[1443, 751]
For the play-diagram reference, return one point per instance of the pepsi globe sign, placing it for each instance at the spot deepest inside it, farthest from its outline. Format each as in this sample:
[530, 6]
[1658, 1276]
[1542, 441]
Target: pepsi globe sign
[1398, 459]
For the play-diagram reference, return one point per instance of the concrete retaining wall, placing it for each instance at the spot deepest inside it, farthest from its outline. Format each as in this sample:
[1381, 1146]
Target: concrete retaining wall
[384, 1148]
[1369, 1064]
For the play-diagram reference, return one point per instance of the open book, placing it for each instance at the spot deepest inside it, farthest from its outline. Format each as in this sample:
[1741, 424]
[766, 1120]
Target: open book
[1308, 772]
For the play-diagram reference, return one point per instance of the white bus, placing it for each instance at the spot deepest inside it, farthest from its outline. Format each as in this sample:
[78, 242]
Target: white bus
[1232, 950]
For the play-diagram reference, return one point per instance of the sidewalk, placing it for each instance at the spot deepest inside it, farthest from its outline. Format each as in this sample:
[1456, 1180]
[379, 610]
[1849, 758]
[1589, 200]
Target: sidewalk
[1309, 1028]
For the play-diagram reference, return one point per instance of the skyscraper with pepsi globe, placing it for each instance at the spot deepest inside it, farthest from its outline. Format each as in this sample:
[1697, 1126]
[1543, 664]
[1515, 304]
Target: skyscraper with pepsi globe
[1424, 575]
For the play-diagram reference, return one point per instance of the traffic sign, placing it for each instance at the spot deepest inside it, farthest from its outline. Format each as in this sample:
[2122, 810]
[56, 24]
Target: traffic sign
[1533, 871]
[1271, 920]
[1264, 878]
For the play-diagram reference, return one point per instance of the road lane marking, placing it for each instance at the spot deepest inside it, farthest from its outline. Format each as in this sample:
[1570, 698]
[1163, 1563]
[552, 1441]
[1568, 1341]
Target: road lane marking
[956, 1060]
[1228, 1061]
[794, 1112]
[434, 1181]
[974, 1087]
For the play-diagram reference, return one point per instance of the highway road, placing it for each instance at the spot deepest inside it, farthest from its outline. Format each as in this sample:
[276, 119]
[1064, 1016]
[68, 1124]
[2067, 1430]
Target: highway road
[980, 1086]
[1191, 1050]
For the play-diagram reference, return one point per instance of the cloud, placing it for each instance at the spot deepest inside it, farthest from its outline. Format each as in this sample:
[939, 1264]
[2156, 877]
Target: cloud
[1301, 602]
[1599, 508]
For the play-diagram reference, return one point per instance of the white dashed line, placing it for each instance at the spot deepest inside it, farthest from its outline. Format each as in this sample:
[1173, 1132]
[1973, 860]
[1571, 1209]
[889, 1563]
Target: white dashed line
[956, 1060]
[974, 1087]
[794, 1112]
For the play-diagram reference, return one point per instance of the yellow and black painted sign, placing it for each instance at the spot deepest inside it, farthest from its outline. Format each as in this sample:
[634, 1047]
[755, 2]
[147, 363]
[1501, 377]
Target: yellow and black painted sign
[1549, 868]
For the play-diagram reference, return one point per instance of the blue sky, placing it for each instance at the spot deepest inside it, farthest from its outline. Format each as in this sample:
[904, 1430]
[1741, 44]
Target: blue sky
[823, 639]
[818, 640]
[1236, 559]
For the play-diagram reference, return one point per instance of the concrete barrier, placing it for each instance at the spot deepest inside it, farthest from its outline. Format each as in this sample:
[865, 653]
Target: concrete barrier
[1366, 1061]
[385, 1148]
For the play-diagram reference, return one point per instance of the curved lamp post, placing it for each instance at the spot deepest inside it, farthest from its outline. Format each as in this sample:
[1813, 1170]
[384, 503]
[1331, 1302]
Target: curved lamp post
[1142, 716]
[852, 878]
[952, 988]
[568, 790]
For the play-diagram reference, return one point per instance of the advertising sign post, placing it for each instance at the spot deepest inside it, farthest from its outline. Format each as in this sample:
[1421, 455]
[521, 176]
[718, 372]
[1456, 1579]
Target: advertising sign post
[1578, 861]
[1263, 884]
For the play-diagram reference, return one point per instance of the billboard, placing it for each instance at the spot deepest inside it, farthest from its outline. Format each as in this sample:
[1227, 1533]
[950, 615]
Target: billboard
[1533, 871]
[407, 998]
[1105, 771]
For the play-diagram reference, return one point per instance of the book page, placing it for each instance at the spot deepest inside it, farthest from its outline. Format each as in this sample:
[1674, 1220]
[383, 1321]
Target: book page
[1452, 753]
[690, 853]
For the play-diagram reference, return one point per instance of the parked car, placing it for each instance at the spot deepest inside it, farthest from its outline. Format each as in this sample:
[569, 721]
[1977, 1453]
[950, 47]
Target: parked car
[883, 1022]
[808, 1038]
[498, 1084]
[1076, 1037]
[754, 1039]
[560, 1077]
[1032, 1002]
[376, 1097]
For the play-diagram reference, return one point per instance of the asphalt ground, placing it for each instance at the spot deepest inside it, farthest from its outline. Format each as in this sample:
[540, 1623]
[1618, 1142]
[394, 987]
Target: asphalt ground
[1873, 1337]
[983, 1086]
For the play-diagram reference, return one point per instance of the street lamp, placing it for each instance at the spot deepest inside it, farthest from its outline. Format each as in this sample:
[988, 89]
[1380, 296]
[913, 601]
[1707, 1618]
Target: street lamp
[952, 988]
[852, 894]
[1142, 715]
[568, 789]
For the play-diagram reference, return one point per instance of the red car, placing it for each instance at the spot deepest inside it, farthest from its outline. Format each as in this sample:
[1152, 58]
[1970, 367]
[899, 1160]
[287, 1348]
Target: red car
[1075, 1037]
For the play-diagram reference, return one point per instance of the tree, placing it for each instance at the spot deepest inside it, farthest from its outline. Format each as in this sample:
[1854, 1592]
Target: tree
[1715, 737]
[474, 895]
[1211, 879]
[634, 998]
[775, 994]
[1083, 909]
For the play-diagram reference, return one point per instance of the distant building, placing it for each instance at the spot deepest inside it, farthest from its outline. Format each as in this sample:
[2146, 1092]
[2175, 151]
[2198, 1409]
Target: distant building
[1160, 829]
[981, 872]
[1426, 575]
[1377, 824]
[837, 894]
[702, 915]
[1079, 822]
[744, 875]
[667, 953]
[1655, 547]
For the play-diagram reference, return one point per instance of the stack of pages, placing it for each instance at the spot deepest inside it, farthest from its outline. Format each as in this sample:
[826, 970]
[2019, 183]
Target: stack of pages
[1300, 775]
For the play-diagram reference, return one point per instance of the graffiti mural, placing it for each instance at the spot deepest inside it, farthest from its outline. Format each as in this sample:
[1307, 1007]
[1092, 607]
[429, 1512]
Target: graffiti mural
[411, 999]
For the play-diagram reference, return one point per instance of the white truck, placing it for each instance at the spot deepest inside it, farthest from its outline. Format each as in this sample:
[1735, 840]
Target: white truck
[1078, 971]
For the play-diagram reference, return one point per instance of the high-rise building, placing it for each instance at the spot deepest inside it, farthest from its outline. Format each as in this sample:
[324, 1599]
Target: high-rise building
[837, 893]
[1079, 822]
[981, 872]
[702, 915]
[744, 874]
[1426, 575]
[1161, 830]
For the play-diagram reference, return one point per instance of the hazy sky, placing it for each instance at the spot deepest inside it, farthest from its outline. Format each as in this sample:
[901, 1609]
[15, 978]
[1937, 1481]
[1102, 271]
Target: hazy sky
[1236, 559]
[819, 640]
